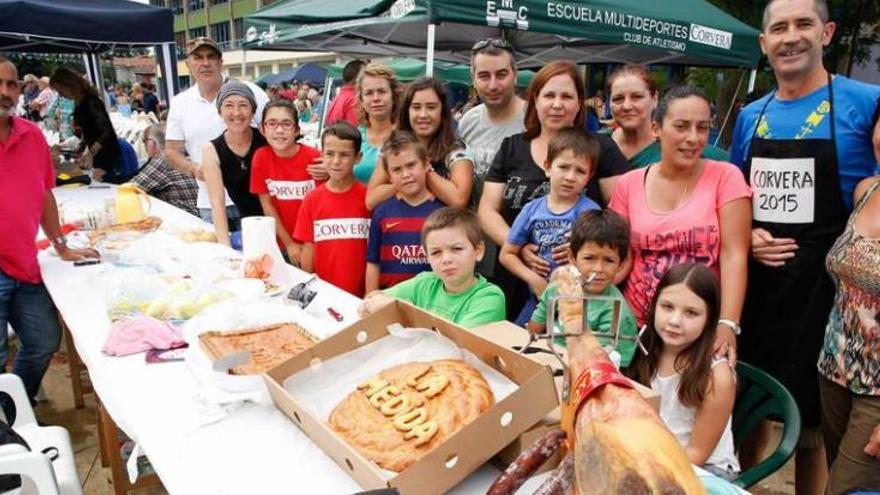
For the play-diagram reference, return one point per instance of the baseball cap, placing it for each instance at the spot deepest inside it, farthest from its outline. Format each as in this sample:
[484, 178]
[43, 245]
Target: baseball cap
[196, 43]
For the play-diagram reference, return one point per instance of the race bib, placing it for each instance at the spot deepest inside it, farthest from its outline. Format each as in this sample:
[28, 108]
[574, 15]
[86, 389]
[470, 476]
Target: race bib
[341, 228]
[286, 190]
[784, 189]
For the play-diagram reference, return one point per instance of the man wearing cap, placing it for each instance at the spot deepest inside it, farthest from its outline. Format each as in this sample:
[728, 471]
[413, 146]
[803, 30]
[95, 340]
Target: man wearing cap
[193, 120]
[26, 203]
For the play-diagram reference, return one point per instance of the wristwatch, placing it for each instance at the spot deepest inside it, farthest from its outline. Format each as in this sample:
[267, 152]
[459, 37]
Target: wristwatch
[737, 330]
[59, 241]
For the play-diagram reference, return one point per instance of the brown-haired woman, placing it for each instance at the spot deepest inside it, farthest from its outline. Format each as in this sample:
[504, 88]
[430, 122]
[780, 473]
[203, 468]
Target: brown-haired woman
[554, 101]
[90, 115]
[633, 93]
[425, 112]
[377, 109]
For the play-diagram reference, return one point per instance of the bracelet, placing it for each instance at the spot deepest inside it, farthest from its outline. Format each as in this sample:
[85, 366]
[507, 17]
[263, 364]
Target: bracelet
[59, 241]
[737, 330]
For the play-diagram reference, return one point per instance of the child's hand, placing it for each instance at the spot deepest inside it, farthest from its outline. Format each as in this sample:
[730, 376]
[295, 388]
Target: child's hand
[873, 446]
[560, 254]
[725, 344]
[537, 264]
[294, 254]
[317, 169]
[373, 302]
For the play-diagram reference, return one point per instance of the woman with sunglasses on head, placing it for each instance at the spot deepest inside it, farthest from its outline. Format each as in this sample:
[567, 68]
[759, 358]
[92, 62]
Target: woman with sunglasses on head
[425, 112]
[554, 101]
[634, 94]
[377, 109]
[226, 160]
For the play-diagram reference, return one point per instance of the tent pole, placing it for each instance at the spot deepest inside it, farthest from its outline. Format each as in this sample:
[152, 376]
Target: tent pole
[328, 89]
[243, 63]
[169, 74]
[429, 66]
[87, 62]
[752, 77]
[99, 77]
[730, 108]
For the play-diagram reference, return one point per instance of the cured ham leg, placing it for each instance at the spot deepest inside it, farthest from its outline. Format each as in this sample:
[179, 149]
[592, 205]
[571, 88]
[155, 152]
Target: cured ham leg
[620, 443]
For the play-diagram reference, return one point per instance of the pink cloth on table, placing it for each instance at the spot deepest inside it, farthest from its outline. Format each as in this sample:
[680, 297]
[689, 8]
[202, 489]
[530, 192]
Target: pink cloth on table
[140, 334]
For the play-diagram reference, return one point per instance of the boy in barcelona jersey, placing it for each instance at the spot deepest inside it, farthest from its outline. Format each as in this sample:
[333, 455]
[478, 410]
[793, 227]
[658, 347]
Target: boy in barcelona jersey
[333, 222]
[395, 251]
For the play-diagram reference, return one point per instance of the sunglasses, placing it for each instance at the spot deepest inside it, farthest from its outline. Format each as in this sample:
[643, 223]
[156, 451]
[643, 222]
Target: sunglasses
[494, 43]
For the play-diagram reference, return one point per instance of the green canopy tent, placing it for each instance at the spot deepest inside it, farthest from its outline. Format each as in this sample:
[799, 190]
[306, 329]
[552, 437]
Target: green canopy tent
[409, 69]
[689, 32]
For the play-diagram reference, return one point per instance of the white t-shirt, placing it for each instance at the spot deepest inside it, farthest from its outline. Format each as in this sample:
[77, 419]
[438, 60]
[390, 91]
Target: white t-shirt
[196, 121]
[680, 421]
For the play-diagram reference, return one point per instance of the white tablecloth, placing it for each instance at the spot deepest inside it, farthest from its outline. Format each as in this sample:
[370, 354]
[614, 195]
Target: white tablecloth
[254, 450]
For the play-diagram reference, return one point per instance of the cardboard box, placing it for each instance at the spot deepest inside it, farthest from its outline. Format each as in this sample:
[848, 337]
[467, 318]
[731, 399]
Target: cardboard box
[462, 453]
[511, 336]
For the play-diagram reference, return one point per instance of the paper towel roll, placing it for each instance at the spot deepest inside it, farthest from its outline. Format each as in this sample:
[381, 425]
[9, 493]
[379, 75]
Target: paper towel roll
[258, 238]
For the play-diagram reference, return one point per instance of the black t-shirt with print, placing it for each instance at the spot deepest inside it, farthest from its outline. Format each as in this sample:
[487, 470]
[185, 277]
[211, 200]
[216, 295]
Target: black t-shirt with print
[524, 180]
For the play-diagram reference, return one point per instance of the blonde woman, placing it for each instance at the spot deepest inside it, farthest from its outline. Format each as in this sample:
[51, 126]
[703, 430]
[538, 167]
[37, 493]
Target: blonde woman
[377, 108]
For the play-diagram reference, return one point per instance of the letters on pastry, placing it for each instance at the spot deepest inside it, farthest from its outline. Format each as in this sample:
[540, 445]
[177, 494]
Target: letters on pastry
[408, 415]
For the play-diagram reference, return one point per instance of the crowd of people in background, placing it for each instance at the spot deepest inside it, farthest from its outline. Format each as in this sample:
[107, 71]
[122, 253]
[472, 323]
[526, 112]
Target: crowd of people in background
[465, 211]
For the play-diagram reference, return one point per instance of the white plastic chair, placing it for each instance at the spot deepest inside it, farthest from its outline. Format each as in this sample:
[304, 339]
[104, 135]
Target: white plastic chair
[39, 474]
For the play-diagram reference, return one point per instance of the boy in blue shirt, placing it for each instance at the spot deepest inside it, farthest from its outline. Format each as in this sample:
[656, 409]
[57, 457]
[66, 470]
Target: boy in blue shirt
[547, 221]
[394, 250]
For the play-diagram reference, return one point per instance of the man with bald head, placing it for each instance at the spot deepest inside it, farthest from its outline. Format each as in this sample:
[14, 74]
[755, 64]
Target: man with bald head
[803, 148]
[26, 203]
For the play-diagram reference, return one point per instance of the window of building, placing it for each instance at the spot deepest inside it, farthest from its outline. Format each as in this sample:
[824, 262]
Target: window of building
[180, 41]
[220, 32]
[197, 32]
[157, 3]
[218, 2]
[238, 27]
[176, 6]
[196, 5]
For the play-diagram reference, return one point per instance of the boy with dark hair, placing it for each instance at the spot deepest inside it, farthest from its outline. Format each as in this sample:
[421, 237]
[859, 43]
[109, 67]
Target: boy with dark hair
[454, 243]
[333, 221]
[599, 244]
[571, 161]
[394, 252]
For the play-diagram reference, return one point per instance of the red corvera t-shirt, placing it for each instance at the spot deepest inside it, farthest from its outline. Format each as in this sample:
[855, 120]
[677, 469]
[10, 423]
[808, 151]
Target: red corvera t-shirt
[284, 179]
[338, 225]
[26, 174]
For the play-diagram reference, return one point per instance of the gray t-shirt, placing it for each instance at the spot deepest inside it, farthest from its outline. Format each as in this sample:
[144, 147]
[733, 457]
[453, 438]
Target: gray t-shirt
[483, 139]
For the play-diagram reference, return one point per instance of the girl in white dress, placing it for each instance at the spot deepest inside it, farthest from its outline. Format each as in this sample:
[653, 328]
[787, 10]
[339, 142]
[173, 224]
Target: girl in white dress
[696, 389]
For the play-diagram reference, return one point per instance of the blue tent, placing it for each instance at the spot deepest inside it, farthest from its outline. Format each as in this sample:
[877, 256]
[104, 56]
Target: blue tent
[89, 27]
[310, 73]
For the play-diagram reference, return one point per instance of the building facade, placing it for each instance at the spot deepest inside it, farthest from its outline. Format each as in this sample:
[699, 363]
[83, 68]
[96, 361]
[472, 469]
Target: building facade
[223, 21]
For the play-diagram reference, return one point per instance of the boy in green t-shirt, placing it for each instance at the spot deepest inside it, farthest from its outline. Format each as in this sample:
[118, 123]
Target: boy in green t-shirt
[454, 244]
[599, 244]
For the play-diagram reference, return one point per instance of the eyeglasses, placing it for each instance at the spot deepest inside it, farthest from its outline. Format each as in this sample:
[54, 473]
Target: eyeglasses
[494, 43]
[287, 125]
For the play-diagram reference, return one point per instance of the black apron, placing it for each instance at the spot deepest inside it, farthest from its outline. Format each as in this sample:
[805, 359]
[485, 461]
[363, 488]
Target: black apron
[787, 308]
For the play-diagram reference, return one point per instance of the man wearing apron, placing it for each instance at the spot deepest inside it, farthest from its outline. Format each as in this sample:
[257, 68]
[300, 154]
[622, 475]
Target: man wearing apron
[803, 148]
